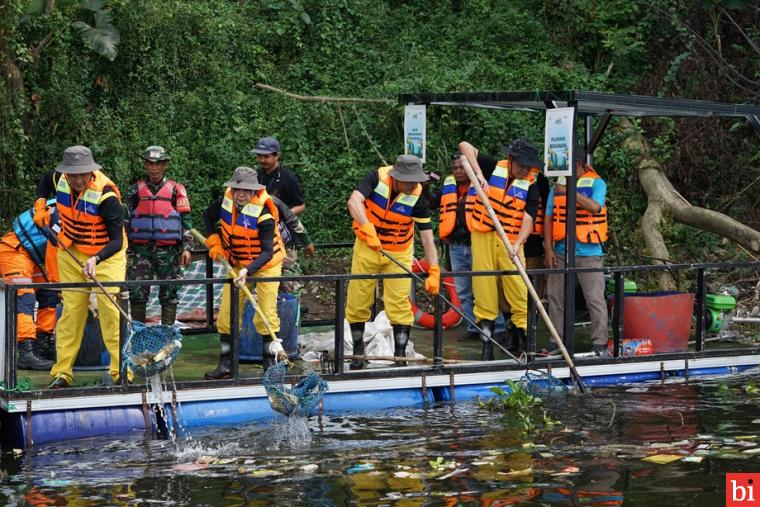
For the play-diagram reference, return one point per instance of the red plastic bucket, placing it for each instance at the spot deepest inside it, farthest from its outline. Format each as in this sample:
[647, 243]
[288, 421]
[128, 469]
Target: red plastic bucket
[662, 317]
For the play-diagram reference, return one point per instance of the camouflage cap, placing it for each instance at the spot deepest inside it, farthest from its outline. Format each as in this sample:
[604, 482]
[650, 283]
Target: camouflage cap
[155, 154]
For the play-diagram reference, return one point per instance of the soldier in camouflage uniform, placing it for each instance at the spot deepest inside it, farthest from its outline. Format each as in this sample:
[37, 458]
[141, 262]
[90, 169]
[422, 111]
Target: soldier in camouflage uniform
[158, 227]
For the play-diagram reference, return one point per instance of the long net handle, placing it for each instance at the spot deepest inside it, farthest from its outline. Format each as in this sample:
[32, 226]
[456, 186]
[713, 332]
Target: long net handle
[516, 259]
[232, 271]
[100, 285]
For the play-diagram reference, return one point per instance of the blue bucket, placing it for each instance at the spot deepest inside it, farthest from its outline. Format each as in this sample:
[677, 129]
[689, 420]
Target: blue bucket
[289, 310]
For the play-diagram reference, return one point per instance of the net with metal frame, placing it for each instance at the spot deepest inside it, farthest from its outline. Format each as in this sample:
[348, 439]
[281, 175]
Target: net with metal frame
[151, 349]
[298, 400]
[537, 383]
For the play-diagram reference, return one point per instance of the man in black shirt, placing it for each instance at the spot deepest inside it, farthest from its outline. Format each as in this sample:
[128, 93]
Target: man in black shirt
[514, 197]
[277, 178]
[453, 231]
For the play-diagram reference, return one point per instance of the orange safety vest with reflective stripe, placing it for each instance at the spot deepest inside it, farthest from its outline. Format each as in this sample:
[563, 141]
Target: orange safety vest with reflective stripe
[508, 202]
[240, 229]
[589, 227]
[80, 216]
[449, 205]
[393, 220]
[538, 223]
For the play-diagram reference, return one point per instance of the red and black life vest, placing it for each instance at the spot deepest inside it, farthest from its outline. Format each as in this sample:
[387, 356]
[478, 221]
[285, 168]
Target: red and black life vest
[156, 219]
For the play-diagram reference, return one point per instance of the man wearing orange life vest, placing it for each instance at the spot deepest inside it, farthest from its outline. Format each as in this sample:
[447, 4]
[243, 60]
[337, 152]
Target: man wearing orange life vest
[514, 198]
[250, 240]
[28, 254]
[159, 235]
[385, 207]
[452, 228]
[92, 228]
[590, 233]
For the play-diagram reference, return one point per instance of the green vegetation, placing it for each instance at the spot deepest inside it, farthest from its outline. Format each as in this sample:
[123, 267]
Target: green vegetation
[522, 410]
[120, 75]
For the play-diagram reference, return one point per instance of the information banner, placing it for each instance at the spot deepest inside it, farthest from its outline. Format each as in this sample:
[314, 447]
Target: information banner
[414, 130]
[558, 141]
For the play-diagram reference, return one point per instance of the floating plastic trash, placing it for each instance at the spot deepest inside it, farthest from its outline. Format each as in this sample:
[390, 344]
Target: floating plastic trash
[361, 467]
[298, 400]
[662, 459]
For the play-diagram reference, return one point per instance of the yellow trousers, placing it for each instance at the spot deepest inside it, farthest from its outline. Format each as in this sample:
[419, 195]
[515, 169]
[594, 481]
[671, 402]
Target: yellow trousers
[361, 293]
[490, 254]
[266, 295]
[70, 329]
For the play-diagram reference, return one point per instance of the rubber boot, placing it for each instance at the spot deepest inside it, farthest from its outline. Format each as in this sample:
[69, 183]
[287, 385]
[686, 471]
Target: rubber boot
[400, 339]
[44, 346]
[510, 342]
[357, 338]
[168, 314]
[224, 368]
[28, 358]
[137, 311]
[521, 341]
[267, 359]
[486, 353]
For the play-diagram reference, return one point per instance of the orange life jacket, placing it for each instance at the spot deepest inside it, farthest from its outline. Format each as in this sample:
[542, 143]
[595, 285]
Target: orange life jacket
[538, 223]
[240, 229]
[392, 220]
[80, 216]
[508, 202]
[589, 227]
[449, 205]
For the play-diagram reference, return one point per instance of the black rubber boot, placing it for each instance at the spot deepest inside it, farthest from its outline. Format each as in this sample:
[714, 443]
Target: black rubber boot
[400, 339]
[357, 338]
[486, 353]
[44, 346]
[521, 341]
[168, 314]
[28, 358]
[224, 368]
[137, 311]
[267, 359]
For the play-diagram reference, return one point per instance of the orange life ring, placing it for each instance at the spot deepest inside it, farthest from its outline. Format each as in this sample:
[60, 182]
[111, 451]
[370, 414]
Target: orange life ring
[449, 319]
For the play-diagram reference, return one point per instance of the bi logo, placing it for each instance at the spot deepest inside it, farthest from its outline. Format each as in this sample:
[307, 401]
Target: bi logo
[742, 490]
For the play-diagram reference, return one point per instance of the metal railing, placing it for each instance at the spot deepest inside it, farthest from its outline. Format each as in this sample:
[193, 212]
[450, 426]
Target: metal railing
[340, 283]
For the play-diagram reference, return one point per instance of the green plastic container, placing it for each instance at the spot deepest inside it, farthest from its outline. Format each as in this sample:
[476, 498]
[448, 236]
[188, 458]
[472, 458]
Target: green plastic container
[720, 302]
[629, 286]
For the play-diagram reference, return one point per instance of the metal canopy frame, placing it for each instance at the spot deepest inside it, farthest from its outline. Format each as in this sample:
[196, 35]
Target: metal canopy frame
[587, 105]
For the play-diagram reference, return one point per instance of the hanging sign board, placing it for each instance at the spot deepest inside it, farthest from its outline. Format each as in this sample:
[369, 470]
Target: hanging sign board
[558, 141]
[414, 130]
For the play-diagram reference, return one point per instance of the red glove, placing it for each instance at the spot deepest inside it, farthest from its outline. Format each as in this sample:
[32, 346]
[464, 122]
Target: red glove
[368, 234]
[433, 281]
[41, 216]
[214, 244]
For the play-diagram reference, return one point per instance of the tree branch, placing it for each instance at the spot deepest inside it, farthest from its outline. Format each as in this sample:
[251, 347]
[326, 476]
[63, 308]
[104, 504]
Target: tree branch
[325, 99]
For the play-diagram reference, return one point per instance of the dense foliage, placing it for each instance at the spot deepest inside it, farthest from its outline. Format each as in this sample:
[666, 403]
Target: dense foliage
[184, 76]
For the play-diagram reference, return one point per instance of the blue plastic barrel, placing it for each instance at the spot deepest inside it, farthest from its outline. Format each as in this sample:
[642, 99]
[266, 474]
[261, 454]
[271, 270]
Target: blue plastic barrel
[289, 310]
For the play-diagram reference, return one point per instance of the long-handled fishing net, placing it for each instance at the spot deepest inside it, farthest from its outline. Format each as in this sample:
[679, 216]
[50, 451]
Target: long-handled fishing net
[148, 350]
[299, 400]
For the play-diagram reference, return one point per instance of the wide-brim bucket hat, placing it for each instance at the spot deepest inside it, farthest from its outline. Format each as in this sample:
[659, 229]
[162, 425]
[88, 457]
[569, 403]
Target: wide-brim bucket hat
[244, 178]
[523, 152]
[77, 160]
[408, 168]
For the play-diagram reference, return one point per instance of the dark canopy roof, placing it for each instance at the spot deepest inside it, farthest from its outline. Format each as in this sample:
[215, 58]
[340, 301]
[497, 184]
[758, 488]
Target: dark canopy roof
[588, 103]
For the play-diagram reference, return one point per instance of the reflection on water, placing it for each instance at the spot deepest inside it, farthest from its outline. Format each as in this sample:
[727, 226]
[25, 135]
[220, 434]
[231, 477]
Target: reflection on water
[433, 455]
